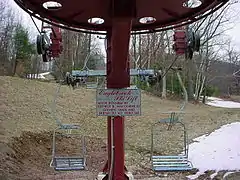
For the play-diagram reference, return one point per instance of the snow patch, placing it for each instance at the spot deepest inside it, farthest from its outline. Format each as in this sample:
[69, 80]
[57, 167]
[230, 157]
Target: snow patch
[38, 76]
[214, 99]
[217, 151]
[217, 102]
[226, 174]
[45, 73]
[213, 175]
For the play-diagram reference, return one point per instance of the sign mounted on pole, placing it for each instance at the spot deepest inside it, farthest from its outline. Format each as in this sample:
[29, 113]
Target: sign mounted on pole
[118, 102]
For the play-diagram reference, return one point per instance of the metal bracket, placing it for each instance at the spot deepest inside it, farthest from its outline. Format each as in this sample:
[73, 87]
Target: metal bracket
[91, 73]
[80, 75]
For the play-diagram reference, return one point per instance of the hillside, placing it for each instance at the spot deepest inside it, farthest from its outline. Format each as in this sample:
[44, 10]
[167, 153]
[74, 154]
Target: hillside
[220, 71]
[27, 124]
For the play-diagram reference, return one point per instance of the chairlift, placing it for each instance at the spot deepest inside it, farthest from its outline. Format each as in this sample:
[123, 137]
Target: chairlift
[85, 73]
[82, 77]
[77, 74]
[63, 162]
[68, 162]
[49, 46]
[89, 84]
[178, 162]
[150, 78]
[92, 84]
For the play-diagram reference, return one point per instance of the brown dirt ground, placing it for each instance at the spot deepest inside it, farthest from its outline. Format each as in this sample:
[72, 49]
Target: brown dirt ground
[27, 124]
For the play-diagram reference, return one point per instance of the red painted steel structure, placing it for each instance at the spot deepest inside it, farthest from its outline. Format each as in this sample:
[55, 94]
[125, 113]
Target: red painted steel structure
[180, 41]
[56, 45]
[74, 14]
[120, 18]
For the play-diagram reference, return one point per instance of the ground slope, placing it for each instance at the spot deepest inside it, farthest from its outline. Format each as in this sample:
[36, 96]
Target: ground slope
[27, 124]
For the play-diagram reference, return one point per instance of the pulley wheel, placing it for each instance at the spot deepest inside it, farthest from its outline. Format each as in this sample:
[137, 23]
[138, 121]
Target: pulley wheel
[40, 44]
[189, 53]
[197, 42]
[191, 39]
[45, 57]
[154, 79]
[68, 79]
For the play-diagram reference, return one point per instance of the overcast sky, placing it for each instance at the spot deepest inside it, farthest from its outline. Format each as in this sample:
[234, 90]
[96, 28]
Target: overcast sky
[234, 33]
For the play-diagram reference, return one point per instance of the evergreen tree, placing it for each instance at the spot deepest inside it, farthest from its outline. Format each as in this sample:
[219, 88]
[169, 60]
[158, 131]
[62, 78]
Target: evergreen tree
[23, 47]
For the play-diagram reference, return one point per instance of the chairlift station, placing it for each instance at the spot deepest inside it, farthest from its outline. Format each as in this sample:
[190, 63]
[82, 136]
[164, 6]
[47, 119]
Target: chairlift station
[117, 20]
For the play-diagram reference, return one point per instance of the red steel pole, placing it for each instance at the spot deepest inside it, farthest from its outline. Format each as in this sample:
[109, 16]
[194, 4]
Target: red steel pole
[118, 77]
[109, 121]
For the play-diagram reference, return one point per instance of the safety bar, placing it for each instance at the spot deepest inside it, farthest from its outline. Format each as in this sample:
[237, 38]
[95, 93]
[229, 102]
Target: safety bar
[133, 72]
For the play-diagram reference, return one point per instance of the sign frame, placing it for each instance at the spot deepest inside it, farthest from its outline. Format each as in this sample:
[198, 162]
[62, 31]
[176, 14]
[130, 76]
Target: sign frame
[123, 89]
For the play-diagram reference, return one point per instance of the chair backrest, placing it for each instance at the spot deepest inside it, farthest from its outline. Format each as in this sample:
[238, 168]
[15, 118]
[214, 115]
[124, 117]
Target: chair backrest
[183, 129]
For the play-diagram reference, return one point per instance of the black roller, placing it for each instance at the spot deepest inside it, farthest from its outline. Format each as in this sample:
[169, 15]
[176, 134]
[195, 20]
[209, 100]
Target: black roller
[154, 79]
[192, 40]
[189, 53]
[42, 48]
[40, 44]
[45, 57]
[68, 79]
[197, 42]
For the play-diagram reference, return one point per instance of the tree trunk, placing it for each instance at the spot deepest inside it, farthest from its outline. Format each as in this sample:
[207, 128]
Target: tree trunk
[140, 50]
[172, 83]
[15, 67]
[135, 50]
[148, 52]
[164, 84]
[190, 79]
[205, 92]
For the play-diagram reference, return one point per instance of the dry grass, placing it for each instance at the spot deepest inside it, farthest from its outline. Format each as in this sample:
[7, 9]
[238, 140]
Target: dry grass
[25, 106]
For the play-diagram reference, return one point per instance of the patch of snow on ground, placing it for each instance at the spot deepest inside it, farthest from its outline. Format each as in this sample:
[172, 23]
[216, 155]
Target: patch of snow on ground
[217, 151]
[38, 76]
[213, 175]
[224, 104]
[217, 102]
[214, 99]
[45, 73]
[226, 174]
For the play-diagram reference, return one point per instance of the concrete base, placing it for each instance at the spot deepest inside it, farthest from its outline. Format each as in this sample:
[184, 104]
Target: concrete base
[101, 175]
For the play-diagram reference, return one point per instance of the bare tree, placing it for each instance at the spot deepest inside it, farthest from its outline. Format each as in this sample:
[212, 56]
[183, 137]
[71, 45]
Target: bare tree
[211, 30]
[7, 24]
[154, 51]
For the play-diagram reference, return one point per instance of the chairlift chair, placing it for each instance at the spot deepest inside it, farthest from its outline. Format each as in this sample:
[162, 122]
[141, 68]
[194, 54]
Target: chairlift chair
[86, 73]
[177, 162]
[68, 162]
[92, 84]
[84, 79]
[173, 162]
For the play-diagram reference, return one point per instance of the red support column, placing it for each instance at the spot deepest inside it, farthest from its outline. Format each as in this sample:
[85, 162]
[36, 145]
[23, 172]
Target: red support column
[118, 77]
[109, 121]
[118, 168]
[120, 37]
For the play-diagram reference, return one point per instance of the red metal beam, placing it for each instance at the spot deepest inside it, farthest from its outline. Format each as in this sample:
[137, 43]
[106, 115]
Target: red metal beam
[118, 77]
[75, 15]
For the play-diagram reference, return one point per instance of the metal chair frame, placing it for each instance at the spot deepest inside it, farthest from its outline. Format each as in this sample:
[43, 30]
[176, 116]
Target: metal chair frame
[175, 162]
[66, 162]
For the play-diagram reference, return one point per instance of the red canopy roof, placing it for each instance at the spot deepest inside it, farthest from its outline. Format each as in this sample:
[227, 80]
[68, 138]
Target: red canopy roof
[75, 14]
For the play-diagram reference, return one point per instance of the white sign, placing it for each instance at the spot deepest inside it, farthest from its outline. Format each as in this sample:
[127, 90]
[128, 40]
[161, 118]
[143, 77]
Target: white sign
[118, 102]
